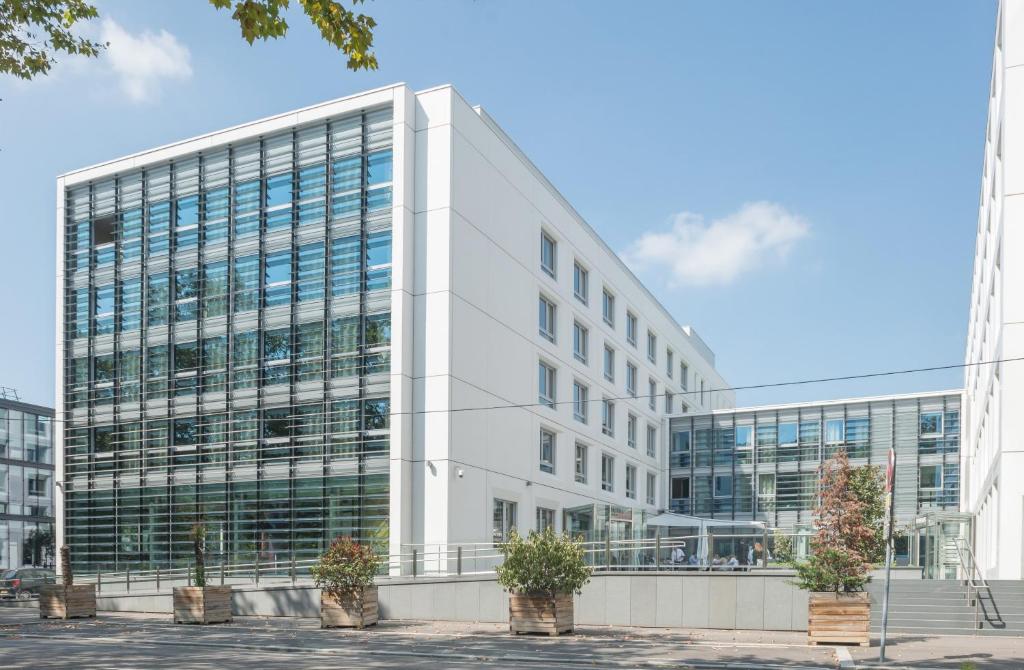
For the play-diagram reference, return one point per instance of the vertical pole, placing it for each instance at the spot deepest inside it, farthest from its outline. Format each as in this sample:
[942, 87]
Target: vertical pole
[293, 569]
[458, 562]
[414, 563]
[764, 547]
[608, 553]
[190, 573]
[158, 578]
[657, 552]
[99, 581]
[890, 479]
[127, 579]
[222, 571]
[256, 574]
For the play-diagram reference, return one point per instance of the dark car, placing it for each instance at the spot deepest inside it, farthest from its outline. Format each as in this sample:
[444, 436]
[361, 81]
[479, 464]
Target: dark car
[24, 583]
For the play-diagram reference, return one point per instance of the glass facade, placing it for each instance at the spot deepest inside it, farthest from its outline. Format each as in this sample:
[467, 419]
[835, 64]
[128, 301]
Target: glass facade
[227, 350]
[761, 463]
[26, 485]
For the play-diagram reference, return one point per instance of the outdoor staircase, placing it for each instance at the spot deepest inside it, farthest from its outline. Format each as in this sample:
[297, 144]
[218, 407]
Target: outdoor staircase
[947, 607]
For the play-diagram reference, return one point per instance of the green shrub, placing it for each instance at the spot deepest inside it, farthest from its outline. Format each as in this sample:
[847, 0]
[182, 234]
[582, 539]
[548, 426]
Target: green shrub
[345, 568]
[831, 569]
[198, 537]
[783, 548]
[543, 564]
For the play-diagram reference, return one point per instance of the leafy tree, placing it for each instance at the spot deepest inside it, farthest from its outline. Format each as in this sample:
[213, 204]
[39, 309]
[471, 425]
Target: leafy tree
[868, 485]
[849, 529]
[34, 32]
[198, 537]
[543, 564]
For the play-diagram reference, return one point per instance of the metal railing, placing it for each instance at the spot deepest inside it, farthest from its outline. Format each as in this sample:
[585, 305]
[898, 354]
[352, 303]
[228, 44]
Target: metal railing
[975, 580]
[711, 552]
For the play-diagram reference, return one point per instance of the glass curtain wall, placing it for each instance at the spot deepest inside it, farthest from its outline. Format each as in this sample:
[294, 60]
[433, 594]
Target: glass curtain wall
[227, 343]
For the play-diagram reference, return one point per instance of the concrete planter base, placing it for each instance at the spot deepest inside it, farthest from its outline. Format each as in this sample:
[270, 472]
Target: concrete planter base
[349, 611]
[540, 613]
[202, 604]
[839, 618]
[57, 601]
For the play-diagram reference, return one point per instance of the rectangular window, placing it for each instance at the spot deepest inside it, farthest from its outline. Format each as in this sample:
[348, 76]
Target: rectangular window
[580, 401]
[680, 488]
[930, 477]
[651, 488]
[652, 393]
[278, 278]
[247, 283]
[580, 341]
[215, 363]
[345, 273]
[931, 424]
[607, 473]
[787, 434]
[652, 347]
[744, 437]
[580, 283]
[581, 463]
[131, 234]
[545, 519]
[80, 316]
[504, 520]
[630, 379]
[834, 433]
[669, 363]
[546, 322]
[608, 307]
[548, 251]
[630, 431]
[311, 272]
[609, 363]
[608, 417]
[631, 481]
[159, 227]
[680, 456]
[669, 401]
[216, 208]
[279, 201]
[631, 328]
[684, 376]
[378, 260]
[186, 222]
[247, 208]
[652, 441]
[186, 292]
[103, 310]
[723, 486]
[277, 355]
[215, 289]
[547, 451]
[131, 304]
[312, 189]
[546, 380]
[309, 351]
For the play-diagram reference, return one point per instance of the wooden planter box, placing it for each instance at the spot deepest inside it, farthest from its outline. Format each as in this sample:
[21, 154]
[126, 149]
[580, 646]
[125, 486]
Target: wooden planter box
[839, 618]
[540, 613]
[57, 601]
[202, 604]
[348, 611]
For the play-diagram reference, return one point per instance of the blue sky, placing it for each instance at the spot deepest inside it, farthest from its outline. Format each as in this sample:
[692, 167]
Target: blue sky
[817, 165]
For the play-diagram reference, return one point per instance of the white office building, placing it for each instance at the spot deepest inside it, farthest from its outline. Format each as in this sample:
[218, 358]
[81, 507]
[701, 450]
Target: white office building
[992, 486]
[373, 317]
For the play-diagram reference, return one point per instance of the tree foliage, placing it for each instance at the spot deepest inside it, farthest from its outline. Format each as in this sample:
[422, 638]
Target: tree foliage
[543, 564]
[198, 537]
[345, 568]
[351, 33]
[849, 521]
[32, 32]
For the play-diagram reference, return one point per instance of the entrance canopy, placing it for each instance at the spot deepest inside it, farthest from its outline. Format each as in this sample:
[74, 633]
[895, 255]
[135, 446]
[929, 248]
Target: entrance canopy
[674, 520]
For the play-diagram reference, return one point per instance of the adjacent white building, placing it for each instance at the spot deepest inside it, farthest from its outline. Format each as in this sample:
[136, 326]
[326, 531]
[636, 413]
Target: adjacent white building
[373, 316]
[992, 486]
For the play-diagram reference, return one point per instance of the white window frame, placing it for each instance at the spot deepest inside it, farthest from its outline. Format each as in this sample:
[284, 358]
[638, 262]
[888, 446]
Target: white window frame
[580, 342]
[631, 327]
[631, 481]
[842, 431]
[608, 362]
[580, 282]
[549, 374]
[652, 441]
[652, 393]
[547, 515]
[607, 473]
[684, 372]
[631, 374]
[548, 443]
[608, 307]
[547, 310]
[714, 487]
[631, 423]
[551, 270]
[509, 512]
[942, 423]
[670, 362]
[652, 488]
[942, 476]
[652, 346]
[608, 417]
[580, 463]
[580, 401]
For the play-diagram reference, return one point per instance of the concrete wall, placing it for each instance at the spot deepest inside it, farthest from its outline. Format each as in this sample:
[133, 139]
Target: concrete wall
[706, 600]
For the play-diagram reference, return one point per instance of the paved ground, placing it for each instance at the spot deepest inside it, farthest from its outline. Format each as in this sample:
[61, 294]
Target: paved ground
[149, 642]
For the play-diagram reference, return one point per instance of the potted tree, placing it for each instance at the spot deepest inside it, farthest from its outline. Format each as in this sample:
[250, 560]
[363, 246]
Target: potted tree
[847, 542]
[344, 574]
[201, 603]
[67, 600]
[541, 574]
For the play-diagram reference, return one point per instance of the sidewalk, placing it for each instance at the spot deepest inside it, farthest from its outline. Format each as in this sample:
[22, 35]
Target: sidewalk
[272, 642]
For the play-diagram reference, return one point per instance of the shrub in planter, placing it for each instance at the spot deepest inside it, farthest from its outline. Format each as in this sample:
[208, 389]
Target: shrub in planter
[67, 600]
[846, 543]
[541, 574]
[201, 603]
[344, 573]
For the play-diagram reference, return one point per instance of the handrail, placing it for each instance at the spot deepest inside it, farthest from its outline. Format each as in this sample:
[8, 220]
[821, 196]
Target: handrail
[972, 587]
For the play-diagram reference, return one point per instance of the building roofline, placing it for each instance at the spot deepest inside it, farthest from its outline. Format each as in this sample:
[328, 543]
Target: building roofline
[698, 343]
[820, 403]
[26, 407]
[212, 134]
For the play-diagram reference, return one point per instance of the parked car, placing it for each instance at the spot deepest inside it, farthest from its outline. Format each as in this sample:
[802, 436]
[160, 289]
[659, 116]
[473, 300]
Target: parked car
[24, 583]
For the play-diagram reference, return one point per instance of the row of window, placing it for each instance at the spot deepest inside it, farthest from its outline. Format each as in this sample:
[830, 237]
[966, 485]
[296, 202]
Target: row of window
[548, 444]
[278, 201]
[212, 291]
[581, 291]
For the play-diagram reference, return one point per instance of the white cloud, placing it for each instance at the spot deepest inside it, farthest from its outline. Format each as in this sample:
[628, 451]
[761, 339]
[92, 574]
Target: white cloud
[143, 62]
[697, 252]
